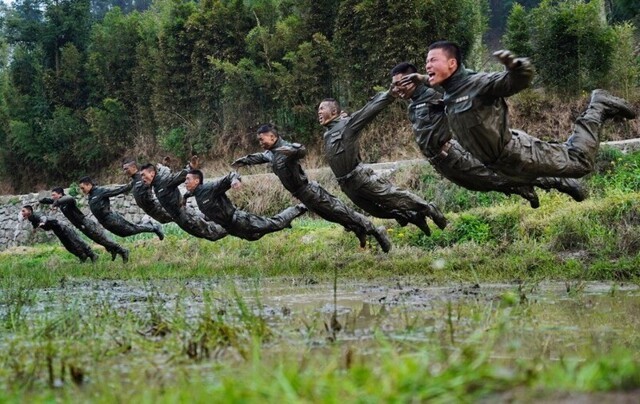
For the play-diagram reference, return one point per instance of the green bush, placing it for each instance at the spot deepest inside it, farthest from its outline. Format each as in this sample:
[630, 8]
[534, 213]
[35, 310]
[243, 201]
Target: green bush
[570, 43]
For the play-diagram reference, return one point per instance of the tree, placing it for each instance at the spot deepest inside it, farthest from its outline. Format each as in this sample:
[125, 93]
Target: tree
[572, 45]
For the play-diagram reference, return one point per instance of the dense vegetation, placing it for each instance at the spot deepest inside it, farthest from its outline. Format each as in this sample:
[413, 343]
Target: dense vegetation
[84, 82]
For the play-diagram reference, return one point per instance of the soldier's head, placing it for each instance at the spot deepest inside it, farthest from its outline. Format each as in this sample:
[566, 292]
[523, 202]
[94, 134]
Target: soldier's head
[443, 59]
[86, 185]
[267, 136]
[129, 166]
[26, 211]
[148, 173]
[57, 193]
[397, 73]
[328, 110]
[193, 180]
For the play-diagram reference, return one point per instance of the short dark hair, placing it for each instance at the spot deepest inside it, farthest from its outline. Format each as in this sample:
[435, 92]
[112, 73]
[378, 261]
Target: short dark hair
[404, 68]
[450, 48]
[28, 207]
[86, 180]
[148, 166]
[333, 101]
[198, 174]
[267, 128]
[58, 190]
[129, 160]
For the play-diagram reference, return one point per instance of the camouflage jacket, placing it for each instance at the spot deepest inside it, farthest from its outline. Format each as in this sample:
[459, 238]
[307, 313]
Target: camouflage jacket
[286, 167]
[477, 111]
[342, 138]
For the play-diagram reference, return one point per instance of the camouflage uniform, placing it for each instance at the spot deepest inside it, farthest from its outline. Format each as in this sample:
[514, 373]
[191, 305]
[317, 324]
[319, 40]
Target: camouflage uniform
[216, 206]
[318, 200]
[452, 161]
[477, 115]
[69, 238]
[68, 207]
[165, 185]
[372, 193]
[114, 222]
[145, 199]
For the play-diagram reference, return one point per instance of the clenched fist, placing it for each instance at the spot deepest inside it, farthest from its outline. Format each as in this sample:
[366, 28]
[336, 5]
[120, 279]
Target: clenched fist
[507, 58]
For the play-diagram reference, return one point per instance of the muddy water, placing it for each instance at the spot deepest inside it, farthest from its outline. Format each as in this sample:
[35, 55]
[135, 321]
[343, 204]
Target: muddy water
[542, 316]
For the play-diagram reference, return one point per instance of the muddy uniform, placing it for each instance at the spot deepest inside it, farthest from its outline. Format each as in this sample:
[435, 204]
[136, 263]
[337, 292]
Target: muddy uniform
[315, 198]
[69, 208]
[452, 161]
[477, 115]
[143, 194]
[69, 238]
[165, 185]
[361, 184]
[114, 222]
[216, 206]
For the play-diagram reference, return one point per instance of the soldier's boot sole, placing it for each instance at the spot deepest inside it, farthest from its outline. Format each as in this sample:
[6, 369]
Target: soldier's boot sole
[362, 238]
[438, 218]
[573, 188]
[530, 195]
[400, 218]
[382, 237]
[125, 256]
[421, 223]
[158, 230]
[611, 105]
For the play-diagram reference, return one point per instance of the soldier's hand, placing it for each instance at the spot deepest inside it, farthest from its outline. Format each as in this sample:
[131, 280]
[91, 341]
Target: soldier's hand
[194, 162]
[236, 184]
[508, 59]
[413, 78]
[286, 150]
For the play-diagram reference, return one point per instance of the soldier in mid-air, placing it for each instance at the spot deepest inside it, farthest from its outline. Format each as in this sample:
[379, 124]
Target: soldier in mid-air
[284, 158]
[114, 222]
[448, 157]
[165, 185]
[477, 114]
[216, 206]
[372, 193]
[69, 208]
[143, 194]
[69, 238]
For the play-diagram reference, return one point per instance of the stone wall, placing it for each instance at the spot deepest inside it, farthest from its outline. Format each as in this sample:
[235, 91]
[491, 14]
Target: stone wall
[14, 232]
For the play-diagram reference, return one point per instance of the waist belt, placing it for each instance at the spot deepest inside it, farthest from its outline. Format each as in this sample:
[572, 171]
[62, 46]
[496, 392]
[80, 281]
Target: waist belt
[345, 178]
[442, 154]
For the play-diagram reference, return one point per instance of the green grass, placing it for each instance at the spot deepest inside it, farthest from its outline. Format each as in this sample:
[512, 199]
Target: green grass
[193, 334]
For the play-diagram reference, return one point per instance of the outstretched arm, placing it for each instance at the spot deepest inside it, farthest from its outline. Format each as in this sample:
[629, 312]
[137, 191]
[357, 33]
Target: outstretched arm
[222, 185]
[364, 116]
[251, 159]
[295, 151]
[65, 200]
[177, 178]
[117, 191]
[517, 76]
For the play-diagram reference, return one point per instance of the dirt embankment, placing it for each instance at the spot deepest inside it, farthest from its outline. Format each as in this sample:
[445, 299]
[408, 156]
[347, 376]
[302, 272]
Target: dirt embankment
[390, 138]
